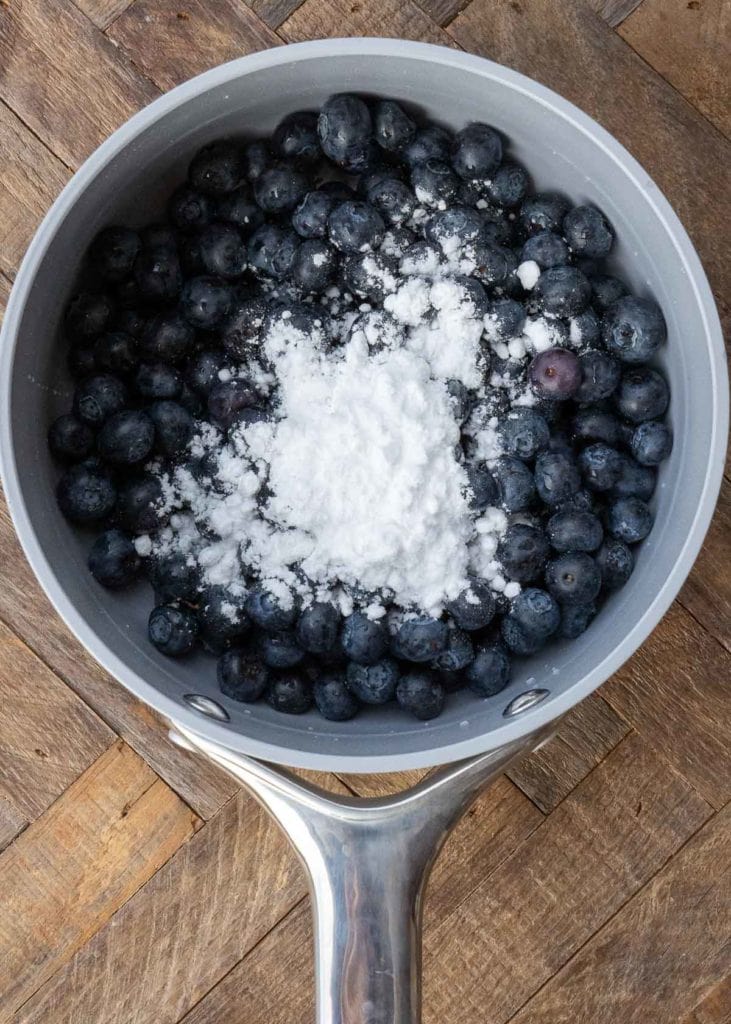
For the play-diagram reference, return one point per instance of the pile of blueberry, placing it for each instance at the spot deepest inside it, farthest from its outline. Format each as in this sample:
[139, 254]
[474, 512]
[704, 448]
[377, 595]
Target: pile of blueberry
[267, 227]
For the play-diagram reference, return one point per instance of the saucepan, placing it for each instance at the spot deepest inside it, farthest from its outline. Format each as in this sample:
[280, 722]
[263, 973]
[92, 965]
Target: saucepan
[367, 860]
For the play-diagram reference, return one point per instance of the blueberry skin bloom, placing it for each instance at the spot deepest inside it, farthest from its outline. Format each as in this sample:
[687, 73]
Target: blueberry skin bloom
[421, 694]
[363, 639]
[419, 639]
[633, 329]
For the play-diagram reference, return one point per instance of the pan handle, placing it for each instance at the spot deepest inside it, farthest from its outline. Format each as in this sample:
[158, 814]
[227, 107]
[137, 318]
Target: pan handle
[367, 862]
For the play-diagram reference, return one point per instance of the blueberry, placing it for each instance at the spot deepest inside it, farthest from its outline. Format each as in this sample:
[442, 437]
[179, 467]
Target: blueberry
[429, 143]
[474, 608]
[643, 394]
[536, 612]
[112, 253]
[355, 227]
[115, 352]
[222, 613]
[290, 694]
[126, 437]
[157, 381]
[435, 183]
[333, 699]
[280, 649]
[174, 576]
[310, 217]
[167, 338]
[157, 275]
[345, 130]
[272, 611]
[574, 530]
[562, 291]
[585, 329]
[489, 673]
[421, 694]
[364, 640]
[393, 200]
[493, 264]
[524, 432]
[218, 168]
[523, 552]
[458, 224]
[557, 477]
[633, 329]
[256, 158]
[228, 398]
[189, 209]
[629, 519]
[419, 639]
[113, 560]
[508, 185]
[240, 333]
[605, 290]
[70, 439]
[202, 370]
[369, 275]
[476, 151]
[457, 653]
[97, 398]
[500, 230]
[205, 301]
[85, 493]
[545, 248]
[634, 480]
[314, 266]
[555, 373]
[374, 683]
[474, 294]
[295, 138]
[239, 208]
[81, 362]
[393, 129]
[173, 631]
[600, 465]
[158, 238]
[616, 562]
[590, 425]
[482, 490]
[174, 427]
[515, 483]
[318, 627]
[272, 250]
[88, 315]
[575, 619]
[573, 578]
[242, 675]
[189, 254]
[280, 187]
[140, 504]
[543, 211]
[223, 251]
[588, 233]
[600, 375]
[505, 319]
[379, 329]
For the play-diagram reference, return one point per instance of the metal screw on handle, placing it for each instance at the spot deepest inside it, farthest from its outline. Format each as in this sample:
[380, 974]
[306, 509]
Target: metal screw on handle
[367, 861]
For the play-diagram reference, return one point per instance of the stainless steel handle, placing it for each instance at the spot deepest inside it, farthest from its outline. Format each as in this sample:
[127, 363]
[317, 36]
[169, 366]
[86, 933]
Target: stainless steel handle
[367, 862]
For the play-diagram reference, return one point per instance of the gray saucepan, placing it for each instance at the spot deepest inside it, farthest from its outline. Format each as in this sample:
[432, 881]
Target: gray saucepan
[367, 860]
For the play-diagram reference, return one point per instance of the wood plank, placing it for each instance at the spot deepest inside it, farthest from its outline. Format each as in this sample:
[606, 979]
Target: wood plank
[273, 12]
[47, 735]
[316, 19]
[442, 11]
[661, 952]
[579, 56]
[25, 608]
[11, 822]
[584, 739]
[688, 42]
[614, 11]
[102, 12]
[73, 868]
[5, 286]
[674, 691]
[707, 591]
[606, 840]
[30, 179]
[182, 931]
[86, 82]
[714, 1007]
[174, 42]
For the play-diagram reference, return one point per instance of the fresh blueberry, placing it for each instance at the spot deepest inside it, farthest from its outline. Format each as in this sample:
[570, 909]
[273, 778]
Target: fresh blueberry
[222, 613]
[562, 291]
[489, 673]
[189, 209]
[81, 362]
[218, 168]
[369, 275]
[524, 432]
[523, 552]
[492, 264]
[456, 654]
[113, 560]
[173, 631]
[167, 338]
[589, 425]
[515, 483]
[458, 224]
[429, 143]
[557, 477]
[310, 217]
[346, 132]
[392, 199]
[112, 253]
[629, 519]
[223, 251]
[543, 211]
[482, 490]
[435, 183]
[374, 683]
[280, 187]
[239, 208]
[393, 129]
[174, 427]
[228, 398]
[202, 370]
[270, 611]
[205, 301]
[280, 649]
[85, 493]
[290, 694]
[605, 290]
[585, 329]
[314, 266]
[545, 248]
[126, 437]
[574, 530]
[600, 375]
[573, 578]
[421, 694]
[634, 480]
[333, 698]
[555, 373]
[88, 315]
[474, 608]
[588, 233]
[157, 381]
[241, 331]
[158, 275]
[633, 329]
[318, 627]
[419, 639]
[355, 227]
[476, 151]
[174, 576]
[575, 619]
[257, 156]
[70, 439]
[616, 562]
[97, 398]
[533, 618]
[295, 138]
[242, 675]
[600, 465]
[508, 185]
[140, 504]
[505, 319]
[115, 352]
[272, 250]
[364, 640]
[643, 394]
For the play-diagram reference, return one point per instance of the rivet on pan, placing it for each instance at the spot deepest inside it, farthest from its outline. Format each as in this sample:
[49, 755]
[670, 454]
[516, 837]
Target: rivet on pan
[206, 706]
[524, 701]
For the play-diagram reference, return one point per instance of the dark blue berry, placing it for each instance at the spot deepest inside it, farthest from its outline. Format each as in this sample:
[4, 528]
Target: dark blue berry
[222, 613]
[605, 290]
[421, 694]
[364, 640]
[523, 552]
[543, 211]
[126, 437]
[257, 157]
[482, 490]
[458, 223]
[457, 653]
[600, 375]
[536, 612]
[562, 291]
[88, 315]
[367, 274]
[228, 398]
[524, 432]
[573, 578]
[489, 673]
[545, 248]
[314, 266]
[508, 185]
[112, 253]
[241, 331]
[588, 233]
[476, 151]
[629, 519]
[140, 504]
[173, 631]
[70, 439]
[493, 263]
[223, 251]
[271, 611]
[600, 465]
[295, 138]
[116, 352]
[280, 187]
[205, 301]
[158, 275]
[318, 627]
[290, 694]
[392, 199]
[81, 362]
[174, 427]
[239, 208]
[310, 217]
[174, 576]
[474, 608]
[429, 143]
[555, 374]
[586, 328]
[393, 129]
[157, 381]
[643, 394]
[616, 562]
[355, 227]
[202, 370]
[345, 130]
[419, 639]
[434, 183]
[333, 699]
[167, 338]
[272, 250]
[189, 209]
[557, 477]
[574, 530]
[505, 318]
[242, 675]
[575, 619]
[113, 560]
[85, 493]
[280, 649]
[375, 683]
[515, 483]
[97, 398]
[218, 168]
[634, 481]
[590, 425]
[633, 329]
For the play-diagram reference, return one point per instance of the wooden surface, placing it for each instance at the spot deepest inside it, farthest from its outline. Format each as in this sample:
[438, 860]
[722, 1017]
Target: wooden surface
[138, 885]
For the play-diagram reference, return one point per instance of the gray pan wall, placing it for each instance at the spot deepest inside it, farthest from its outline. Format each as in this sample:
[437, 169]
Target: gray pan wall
[126, 181]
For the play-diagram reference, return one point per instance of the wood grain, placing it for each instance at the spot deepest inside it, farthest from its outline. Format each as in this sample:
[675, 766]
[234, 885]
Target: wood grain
[30, 179]
[85, 83]
[689, 43]
[72, 869]
[172, 42]
[663, 950]
[5, 285]
[707, 591]
[529, 916]
[316, 19]
[12, 821]
[614, 11]
[25, 608]
[102, 12]
[582, 58]
[442, 11]
[386, 784]
[584, 739]
[273, 12]
[714, 1007]
[674, 691]
[47, 735]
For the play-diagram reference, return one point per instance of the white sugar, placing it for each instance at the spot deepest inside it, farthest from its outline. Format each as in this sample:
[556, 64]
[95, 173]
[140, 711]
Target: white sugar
[528, 273]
